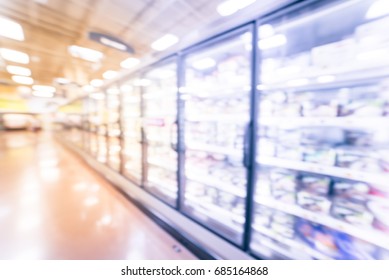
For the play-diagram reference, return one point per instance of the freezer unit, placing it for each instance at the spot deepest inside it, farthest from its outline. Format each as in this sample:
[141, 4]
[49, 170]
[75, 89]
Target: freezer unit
[216, 125]
[323, 141]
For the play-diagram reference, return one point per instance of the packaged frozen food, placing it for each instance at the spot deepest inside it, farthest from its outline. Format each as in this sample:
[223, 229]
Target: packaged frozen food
[362, 160]
[351, 190]
[291, 153]
[380, 210]
[320, 154]
[322, 136]
[313, 202]
[315, 184]
[351, 212]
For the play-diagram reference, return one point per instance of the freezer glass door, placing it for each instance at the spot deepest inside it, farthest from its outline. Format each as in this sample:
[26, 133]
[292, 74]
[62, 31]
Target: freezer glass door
[131, 126]
[217, 113]
[113, 127]
[160, 130]
[322, 189]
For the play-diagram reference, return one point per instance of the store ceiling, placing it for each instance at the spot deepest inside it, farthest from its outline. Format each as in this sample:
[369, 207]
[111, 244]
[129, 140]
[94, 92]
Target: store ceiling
[51, 26]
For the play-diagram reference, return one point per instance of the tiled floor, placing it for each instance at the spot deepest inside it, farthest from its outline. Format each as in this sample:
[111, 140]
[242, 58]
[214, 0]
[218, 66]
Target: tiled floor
[53, 206]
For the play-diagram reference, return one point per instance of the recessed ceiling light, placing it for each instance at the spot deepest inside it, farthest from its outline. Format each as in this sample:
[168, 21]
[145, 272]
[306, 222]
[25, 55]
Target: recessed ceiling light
[230, 7]
[43, 94]
[164, 42]
[18, 70]
[85, 53]
[43, 88]
[61, 81]
[97, 82]
[129, 63]
[11, 29]
[15, 56]
[109, 74]
[23, 80]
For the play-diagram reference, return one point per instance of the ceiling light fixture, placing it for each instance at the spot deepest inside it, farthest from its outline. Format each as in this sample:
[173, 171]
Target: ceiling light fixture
[165, 42]
[113, 44]
[85, 53]
[23, 80]
[109, 74]
[18, 70]
[14, 56]
[11, 29]
[88, 88]
[62, 81]
[97, 82]
[129, 63]
[232, 6]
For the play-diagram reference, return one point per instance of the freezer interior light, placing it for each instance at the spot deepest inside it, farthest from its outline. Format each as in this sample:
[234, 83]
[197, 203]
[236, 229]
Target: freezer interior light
[113, 91]
[326, 79]
[165, 42]
[113, 44]
[97, 82]
[11, 29]
[377, 9]
[23, 80]
[204, 63]
[374, 55]
[298, 82]
[44, 94]
[88, 88]
[266, 31]
[18, 70]
[126, 88]
[230, 7]
[42, 88]
[142, 82]
[85, 53]
[14, 56]
[272, 42]
[110, 74]
[97, 95]
[129, 63]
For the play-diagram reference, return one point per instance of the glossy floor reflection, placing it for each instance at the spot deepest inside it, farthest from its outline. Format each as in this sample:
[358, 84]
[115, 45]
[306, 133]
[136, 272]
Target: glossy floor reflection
[53, 206]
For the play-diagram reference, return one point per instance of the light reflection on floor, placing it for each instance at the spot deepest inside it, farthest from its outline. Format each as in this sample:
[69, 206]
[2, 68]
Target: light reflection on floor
[52, 206]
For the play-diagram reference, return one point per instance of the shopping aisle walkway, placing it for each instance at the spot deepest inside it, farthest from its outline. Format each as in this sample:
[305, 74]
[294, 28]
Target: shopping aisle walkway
[53, 206]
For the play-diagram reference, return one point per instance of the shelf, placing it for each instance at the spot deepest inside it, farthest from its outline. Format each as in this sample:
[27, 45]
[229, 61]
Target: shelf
[214, 208]
[345, 77]
[226, 92]
[236, 118]
[158, 183]
[346, 122]
[227, 223]
[291, 243]
[369, 235]
[209, 181]
[164, 165]
[378, 179]
[214, 149]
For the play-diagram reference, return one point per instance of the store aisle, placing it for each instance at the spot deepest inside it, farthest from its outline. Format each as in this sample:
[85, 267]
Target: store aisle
[53, 206]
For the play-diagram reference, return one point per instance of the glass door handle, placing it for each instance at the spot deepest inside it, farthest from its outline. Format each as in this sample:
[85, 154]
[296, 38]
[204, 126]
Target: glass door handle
[173, 144]
[246, 146]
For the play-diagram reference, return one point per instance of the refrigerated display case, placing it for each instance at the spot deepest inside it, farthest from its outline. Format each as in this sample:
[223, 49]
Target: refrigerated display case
[216, 133]
[113, 127]
[131, 123]
[101, 130]
[322, 164]
[159, 122]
